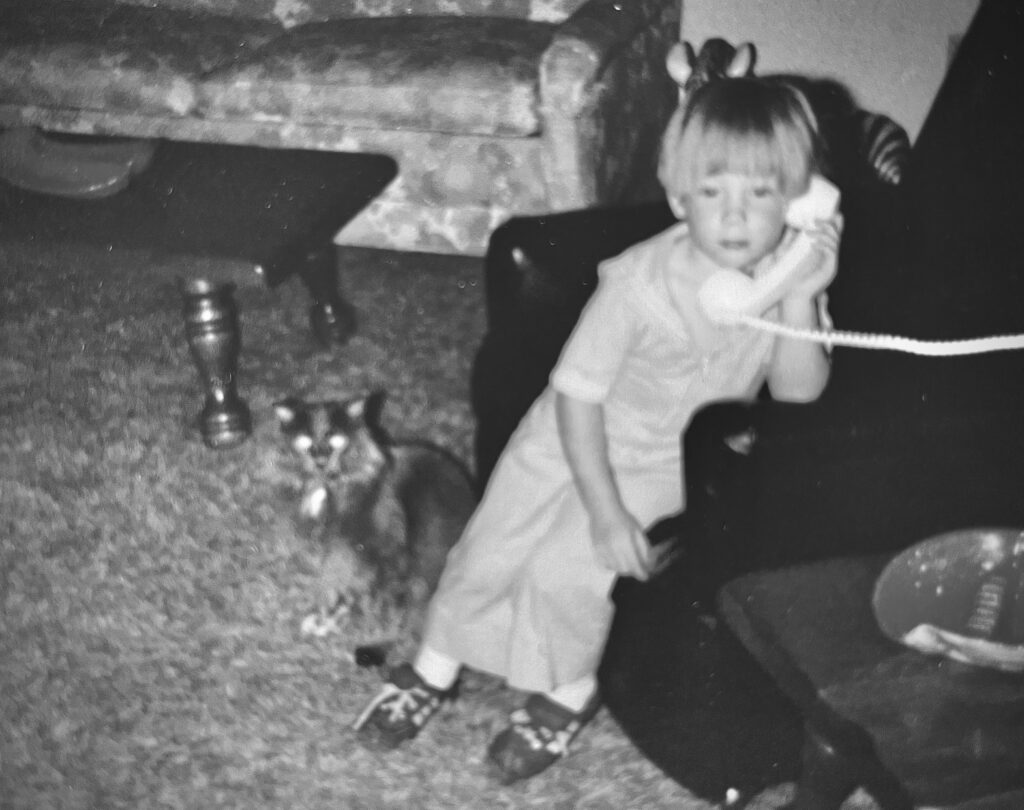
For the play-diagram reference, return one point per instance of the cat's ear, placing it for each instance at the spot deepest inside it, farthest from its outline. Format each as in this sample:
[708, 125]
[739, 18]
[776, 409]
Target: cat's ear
[367, 409]
[287, 410]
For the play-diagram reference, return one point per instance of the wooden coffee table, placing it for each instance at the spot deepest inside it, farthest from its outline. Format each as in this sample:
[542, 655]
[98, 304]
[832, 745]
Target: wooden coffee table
[913, 730]
[276, 208]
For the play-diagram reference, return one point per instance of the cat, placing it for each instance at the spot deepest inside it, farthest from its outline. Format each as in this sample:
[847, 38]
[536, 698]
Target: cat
[383, 514]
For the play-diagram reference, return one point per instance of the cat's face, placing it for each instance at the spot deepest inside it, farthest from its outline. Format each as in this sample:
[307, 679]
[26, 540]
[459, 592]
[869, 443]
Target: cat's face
[334, 438]
[344, 454]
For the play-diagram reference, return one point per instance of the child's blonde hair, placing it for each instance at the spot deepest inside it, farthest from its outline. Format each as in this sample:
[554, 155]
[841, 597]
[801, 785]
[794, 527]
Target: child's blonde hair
[745, 125]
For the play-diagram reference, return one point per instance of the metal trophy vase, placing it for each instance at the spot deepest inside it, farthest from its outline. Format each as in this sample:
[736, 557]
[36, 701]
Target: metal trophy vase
[211, 326]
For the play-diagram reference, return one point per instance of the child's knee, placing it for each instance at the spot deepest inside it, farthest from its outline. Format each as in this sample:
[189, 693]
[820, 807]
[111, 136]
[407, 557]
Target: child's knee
[546, 569]
[556, 573]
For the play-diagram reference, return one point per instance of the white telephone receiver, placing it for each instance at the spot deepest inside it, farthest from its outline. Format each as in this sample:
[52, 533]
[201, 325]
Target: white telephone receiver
[730, 294]
[732, 297]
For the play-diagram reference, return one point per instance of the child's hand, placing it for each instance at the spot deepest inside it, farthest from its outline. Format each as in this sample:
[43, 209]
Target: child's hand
[821, 266]
[621, 545]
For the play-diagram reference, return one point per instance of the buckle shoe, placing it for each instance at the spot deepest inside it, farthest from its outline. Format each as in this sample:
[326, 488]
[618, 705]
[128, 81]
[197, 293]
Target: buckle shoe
[399, 711]
[538, 735]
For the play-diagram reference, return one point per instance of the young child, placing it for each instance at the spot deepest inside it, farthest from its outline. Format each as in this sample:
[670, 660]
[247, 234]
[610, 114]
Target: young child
[526, 594]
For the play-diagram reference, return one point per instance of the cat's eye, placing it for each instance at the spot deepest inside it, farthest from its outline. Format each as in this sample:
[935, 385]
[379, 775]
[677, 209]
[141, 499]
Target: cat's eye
[303, 443]
[338, 442]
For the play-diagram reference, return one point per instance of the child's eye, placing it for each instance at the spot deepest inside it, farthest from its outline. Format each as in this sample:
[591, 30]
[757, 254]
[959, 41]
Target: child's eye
[708, 191]
[761, 192]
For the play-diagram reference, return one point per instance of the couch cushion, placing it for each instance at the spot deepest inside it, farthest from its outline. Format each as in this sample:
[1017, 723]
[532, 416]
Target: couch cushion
[294, 12]
[103, 56]
[540, 10]
[456, 75]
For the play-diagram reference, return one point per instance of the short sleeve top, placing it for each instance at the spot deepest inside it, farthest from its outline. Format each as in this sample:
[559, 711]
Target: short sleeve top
[649, 356]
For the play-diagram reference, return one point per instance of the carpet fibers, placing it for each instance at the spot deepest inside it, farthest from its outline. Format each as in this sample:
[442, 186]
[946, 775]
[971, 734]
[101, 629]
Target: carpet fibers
[152, 590]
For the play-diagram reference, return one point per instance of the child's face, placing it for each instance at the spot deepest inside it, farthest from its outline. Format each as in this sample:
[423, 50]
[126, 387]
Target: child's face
[736, 219]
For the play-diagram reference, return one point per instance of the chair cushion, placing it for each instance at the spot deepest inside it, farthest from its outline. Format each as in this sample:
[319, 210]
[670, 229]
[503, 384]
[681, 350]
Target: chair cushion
[145, 61]
[465, 75]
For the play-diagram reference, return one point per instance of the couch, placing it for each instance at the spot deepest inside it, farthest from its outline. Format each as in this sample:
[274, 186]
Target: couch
[491, 108]
[897, 449]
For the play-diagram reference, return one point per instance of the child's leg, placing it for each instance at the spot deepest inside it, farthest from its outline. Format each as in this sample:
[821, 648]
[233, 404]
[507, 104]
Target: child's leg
[562, 614]
[575, 695]
[436, 669]
[563, 611]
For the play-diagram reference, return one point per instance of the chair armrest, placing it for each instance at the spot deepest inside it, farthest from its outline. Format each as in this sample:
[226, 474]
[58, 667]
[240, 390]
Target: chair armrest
[844, 476]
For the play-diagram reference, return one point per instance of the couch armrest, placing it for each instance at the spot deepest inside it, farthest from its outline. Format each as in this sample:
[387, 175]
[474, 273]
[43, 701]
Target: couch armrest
[586, 42]
[605, 97]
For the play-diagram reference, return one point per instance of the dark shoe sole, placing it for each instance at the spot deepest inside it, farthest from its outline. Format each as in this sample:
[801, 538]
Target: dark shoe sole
[376, 739]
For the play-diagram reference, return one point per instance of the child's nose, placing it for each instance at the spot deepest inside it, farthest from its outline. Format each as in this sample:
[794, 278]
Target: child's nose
[734, 208]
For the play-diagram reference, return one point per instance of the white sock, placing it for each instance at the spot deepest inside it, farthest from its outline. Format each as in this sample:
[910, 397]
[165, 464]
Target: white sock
[575, 695]
[437, 669]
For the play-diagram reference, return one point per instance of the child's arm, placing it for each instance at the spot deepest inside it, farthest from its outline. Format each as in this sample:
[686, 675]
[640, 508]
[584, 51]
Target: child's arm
[800, 369]
[619, 541]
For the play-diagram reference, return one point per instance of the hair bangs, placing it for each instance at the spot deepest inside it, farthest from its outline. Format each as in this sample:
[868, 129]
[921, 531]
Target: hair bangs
[719, 149]
[742, 127]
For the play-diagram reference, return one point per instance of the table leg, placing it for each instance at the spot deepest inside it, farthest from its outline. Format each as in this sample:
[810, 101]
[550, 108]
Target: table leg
[331, 318]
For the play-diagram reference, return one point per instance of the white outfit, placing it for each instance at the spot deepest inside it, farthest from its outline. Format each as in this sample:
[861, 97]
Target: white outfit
[523, 595]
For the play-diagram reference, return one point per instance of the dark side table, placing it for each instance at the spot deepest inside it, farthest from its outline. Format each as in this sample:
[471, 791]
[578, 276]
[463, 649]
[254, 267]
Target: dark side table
[276, 208]
[913, 730]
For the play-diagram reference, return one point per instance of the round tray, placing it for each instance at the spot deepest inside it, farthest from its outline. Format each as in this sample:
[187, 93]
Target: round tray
[959, 594]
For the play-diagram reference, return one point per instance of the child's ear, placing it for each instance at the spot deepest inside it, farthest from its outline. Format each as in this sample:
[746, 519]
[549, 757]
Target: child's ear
[677, 206]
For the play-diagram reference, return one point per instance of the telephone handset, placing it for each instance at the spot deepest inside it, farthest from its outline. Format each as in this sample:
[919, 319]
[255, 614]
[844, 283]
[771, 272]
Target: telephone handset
[732, 297]
[729, 294]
